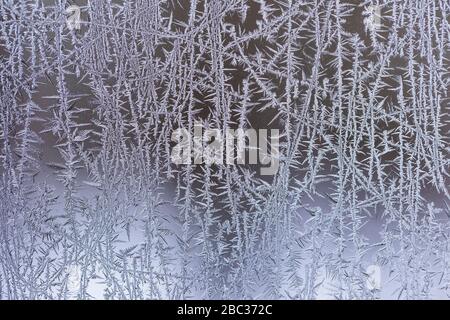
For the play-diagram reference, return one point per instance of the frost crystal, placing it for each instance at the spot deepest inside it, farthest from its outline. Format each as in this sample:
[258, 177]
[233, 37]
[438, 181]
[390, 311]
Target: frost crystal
[92, 205]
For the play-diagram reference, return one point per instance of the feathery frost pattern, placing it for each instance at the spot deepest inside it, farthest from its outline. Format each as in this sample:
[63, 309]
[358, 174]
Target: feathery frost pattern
[91, 205]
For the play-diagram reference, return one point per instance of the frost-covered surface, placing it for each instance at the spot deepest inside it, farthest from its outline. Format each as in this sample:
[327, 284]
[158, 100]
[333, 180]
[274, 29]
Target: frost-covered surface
[92, 207]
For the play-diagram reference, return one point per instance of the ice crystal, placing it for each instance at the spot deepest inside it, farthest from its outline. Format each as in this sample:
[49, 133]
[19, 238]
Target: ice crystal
[92, 206]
